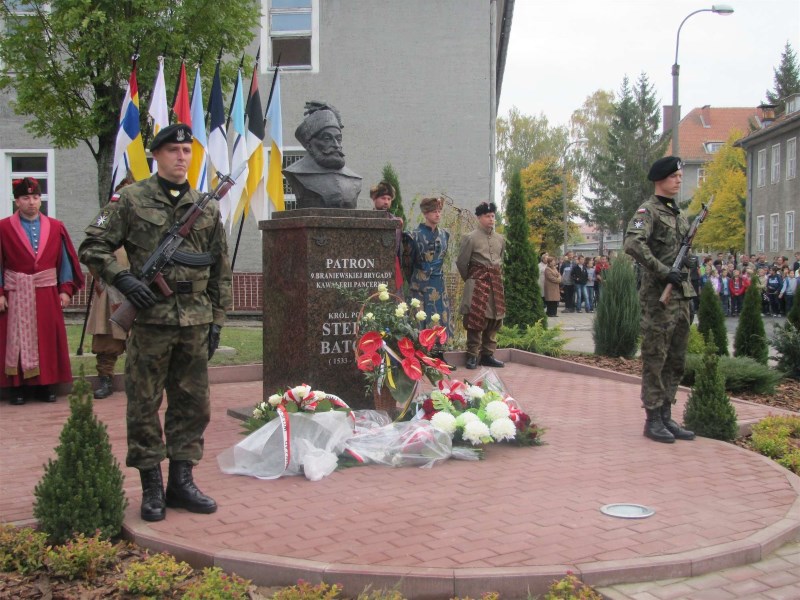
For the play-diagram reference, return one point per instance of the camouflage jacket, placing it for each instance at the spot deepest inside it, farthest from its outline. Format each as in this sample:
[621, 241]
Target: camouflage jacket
[653, 238]
[137, 218]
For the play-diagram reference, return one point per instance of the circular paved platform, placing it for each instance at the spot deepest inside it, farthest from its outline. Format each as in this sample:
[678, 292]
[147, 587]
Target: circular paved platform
[511, 523]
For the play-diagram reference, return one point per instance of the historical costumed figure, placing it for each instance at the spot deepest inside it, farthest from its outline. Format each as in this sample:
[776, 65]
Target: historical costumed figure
[653, 238]
[428, 245]
[480, 264]
[39, 274]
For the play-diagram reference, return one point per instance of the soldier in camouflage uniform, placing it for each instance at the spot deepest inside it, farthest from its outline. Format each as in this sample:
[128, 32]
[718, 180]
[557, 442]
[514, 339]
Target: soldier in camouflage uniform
[173, 337]
[654, 238]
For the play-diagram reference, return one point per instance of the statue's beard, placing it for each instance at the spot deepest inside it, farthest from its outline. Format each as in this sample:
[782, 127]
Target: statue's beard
[331, 160]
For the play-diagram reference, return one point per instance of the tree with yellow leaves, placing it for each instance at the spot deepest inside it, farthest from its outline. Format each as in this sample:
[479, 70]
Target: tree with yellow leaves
[726, 181]
[542, 189]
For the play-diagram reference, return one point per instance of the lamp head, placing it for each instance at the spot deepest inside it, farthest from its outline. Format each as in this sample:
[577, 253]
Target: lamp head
[722, 9]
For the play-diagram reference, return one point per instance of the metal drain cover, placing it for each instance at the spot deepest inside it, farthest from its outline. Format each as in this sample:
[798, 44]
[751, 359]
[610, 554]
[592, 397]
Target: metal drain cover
[627, 511]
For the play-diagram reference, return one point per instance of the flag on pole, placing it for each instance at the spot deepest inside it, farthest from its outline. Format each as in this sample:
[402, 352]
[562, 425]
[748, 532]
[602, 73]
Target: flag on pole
[129, 150]
[254, 197]
[238, 193]
[198, 168]
[274, 174]
[217, 141]
[181, 107]
[159, 110]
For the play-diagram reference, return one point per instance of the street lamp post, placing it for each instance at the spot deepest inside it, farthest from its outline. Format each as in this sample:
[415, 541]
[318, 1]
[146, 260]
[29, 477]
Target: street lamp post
[564, 187]
[720, 9]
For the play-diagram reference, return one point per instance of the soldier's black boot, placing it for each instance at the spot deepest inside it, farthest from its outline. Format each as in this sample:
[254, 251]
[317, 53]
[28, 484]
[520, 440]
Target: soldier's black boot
[106, 387]
[678, 432]
[183, 493]
[154, 507]
[654, 427]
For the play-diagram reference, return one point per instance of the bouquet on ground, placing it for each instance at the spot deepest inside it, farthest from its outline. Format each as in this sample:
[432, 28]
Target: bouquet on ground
[296, 399]
[478, 414]
[392, 348]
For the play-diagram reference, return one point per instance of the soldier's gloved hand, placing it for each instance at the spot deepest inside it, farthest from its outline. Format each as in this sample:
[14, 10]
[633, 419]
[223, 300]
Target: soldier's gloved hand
[134, 290]
[675, 277]
[213, 339]
[690, 261]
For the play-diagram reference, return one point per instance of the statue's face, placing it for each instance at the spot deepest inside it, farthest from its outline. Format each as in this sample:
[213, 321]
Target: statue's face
[326, 148]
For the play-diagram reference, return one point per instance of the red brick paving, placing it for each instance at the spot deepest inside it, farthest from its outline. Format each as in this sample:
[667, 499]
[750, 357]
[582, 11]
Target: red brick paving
[514, 521]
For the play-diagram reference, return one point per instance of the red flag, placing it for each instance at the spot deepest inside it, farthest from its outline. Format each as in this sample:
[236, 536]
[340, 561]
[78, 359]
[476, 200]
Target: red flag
[182, 108]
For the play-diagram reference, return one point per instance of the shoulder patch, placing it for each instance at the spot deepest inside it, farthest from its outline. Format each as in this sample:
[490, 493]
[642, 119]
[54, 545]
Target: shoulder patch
[638, 223]
[114, 198]
[641, 210]
[102, 219]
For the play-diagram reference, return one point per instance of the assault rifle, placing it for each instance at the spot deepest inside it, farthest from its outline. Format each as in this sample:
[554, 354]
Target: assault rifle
[151, 271]
[686, 245]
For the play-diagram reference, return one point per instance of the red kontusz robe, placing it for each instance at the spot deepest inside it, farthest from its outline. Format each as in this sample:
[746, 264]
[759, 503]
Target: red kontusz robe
[17, 255]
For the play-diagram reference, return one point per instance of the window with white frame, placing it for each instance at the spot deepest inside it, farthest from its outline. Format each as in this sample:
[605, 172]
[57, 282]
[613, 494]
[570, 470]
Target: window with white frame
[790, 230]
[791, 158]
[773, 231]
[293, 30]
[761, 170]
[776, 164]
[16, 164]
[701, 176]
[713, 147]
[19, 10]
[760, 232]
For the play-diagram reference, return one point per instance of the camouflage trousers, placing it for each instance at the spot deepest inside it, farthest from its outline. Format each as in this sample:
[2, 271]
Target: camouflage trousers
[665, 335]
[172, 359]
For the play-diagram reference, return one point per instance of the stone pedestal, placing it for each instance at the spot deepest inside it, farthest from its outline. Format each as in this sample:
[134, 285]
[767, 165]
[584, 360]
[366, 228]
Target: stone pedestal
[309, 327]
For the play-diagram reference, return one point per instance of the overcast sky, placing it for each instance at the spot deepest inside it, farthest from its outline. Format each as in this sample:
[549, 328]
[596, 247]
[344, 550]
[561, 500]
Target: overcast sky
[561, 51]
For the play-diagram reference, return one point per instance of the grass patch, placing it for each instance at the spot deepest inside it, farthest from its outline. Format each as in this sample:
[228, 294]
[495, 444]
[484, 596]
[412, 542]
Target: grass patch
[246, 341]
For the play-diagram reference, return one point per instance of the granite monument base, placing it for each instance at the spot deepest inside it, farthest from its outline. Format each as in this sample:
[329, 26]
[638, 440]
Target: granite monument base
[309, 255]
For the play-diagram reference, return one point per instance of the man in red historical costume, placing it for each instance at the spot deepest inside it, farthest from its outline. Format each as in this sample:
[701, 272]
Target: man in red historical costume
[39, 273]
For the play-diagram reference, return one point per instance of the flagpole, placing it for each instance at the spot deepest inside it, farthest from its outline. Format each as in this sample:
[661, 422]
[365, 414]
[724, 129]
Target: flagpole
[208, 106]
[272, 88]
[241, 220]
[146, 138]
[233, 97]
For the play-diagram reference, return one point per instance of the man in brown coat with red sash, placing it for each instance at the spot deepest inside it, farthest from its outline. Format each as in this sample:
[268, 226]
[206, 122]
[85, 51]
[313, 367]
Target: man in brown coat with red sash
[480, 264]
[39, 274]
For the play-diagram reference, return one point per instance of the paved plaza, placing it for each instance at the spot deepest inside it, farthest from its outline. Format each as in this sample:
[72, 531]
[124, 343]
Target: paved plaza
[512, 523]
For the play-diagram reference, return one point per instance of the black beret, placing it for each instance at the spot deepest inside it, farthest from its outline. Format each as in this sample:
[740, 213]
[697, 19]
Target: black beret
[27, 186]
[485, 208]
[664, 167]
[172, 134]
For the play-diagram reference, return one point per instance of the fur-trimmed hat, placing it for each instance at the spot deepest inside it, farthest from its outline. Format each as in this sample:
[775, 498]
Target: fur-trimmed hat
[180, 133]
[319, 115]
[27, 186]
[384, 188]
[664, 167]
[485, 208]
[430, 204]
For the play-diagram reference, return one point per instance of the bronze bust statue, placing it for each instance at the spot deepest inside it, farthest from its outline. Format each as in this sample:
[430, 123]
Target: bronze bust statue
[320, 179]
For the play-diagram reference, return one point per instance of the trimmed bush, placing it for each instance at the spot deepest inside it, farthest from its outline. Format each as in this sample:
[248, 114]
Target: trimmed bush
[616, 322]
[697, 343]
[215, 584]
[786, 340]
[22, 550]
[524, 305]
[751, 339]
[83, 557]
[81, 490]
[535, 338]
[157, 576]
[709, 411]
[778, 437]
[741, 374]
[712, 319]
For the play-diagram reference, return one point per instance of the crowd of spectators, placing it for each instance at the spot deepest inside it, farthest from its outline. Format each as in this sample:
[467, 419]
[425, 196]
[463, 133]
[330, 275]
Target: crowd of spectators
[581, 281]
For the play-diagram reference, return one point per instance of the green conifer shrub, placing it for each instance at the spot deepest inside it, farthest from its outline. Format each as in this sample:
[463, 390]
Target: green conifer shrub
[616, 322]
[751, 339]
[524, 304]
[81, 490]
[709, 411]
[741, 374]
[786, 340]
[390, 175]
[712, 319]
